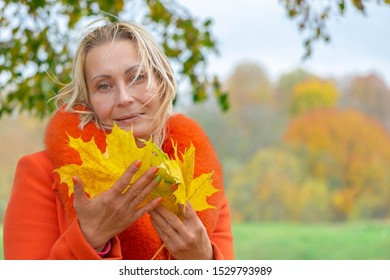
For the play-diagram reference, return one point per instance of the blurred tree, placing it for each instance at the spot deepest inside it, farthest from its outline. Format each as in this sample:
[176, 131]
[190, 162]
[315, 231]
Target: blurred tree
[351, 152]
[312, 17]
[313, 94]
[273, 185]
[249, 89]
[14, 132]
[265, 186]
[37, 38]
[252, 114]
[285, 86]
[249, 86]
[369, 94]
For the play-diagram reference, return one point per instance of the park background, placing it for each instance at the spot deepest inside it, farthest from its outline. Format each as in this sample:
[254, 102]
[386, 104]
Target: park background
[305, 145]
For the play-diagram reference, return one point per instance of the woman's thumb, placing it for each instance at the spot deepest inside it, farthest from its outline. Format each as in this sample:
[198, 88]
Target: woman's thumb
[79, 193]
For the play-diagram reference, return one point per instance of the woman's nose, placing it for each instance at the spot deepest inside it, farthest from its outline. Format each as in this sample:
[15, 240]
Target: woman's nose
[124, 95]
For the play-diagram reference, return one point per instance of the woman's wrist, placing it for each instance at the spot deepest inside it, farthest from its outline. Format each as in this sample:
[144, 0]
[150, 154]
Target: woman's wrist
[106, 249]
[97, 242]
[100, 248]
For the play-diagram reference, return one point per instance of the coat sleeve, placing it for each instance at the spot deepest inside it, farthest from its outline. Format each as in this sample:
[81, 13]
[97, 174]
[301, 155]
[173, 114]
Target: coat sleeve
[222, 237]
[32, 223]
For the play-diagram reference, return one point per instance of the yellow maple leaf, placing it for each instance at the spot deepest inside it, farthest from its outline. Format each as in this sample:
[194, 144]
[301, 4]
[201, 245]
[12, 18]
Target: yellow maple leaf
[99, 171]
[189, 189]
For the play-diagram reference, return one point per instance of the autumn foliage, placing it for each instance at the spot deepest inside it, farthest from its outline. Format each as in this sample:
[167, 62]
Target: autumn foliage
[350, 152]
[313, 94]
[331, 161]
[332, 165]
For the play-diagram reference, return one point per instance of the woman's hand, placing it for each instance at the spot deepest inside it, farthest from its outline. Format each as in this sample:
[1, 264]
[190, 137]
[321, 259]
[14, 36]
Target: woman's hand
[185, 240]
[113, 211]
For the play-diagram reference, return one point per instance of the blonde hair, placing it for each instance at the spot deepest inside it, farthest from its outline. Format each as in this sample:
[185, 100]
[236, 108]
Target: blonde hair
[153, 60]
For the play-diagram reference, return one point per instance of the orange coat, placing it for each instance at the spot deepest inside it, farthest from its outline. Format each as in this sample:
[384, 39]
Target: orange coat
[40, 222]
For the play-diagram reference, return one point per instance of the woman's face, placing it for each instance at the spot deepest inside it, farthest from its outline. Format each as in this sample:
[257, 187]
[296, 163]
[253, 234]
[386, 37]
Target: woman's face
[117, 93]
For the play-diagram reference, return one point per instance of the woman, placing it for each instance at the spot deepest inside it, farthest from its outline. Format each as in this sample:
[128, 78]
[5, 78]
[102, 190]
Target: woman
[120, 76]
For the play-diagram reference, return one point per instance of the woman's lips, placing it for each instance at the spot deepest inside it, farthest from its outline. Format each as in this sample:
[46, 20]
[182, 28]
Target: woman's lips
[128, 119]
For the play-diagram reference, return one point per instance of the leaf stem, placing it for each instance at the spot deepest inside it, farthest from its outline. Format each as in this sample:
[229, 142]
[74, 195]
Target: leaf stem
[158, 251]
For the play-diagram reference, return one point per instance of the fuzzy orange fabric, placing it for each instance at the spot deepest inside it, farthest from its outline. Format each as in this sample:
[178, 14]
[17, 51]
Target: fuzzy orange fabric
[139, 241]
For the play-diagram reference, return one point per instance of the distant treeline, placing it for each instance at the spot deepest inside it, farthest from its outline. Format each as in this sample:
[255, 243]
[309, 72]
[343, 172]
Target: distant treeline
[303, 148]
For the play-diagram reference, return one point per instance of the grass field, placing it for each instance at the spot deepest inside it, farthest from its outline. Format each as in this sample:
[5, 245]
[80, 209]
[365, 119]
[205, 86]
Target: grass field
[288, 241]
[283, 241]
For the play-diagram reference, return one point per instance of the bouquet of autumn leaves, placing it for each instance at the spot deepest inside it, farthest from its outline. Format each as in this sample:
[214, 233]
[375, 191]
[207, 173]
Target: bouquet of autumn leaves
[99, 171]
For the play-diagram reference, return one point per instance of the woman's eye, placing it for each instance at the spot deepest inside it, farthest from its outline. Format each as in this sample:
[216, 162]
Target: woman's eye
[103, 87]
[138, 78]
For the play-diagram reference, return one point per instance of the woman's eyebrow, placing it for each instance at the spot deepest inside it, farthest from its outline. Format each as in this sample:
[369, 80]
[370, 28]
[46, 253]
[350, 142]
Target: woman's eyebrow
[100, 76]
[132, 68]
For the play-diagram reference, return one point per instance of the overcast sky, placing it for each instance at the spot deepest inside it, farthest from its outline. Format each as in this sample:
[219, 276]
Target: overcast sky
[259, 31]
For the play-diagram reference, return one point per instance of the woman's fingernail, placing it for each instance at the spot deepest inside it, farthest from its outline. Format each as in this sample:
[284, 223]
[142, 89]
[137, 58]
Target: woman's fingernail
[155, 170]
[158, 179]
[138, 164]
[74, 181]
[160, 200]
